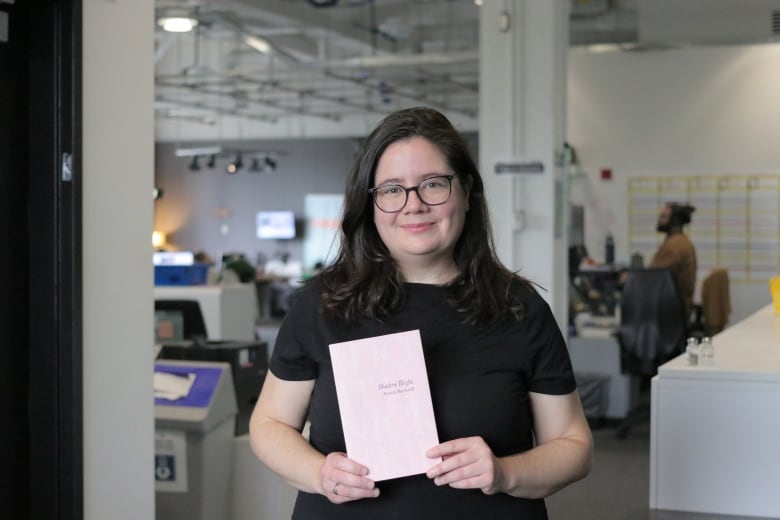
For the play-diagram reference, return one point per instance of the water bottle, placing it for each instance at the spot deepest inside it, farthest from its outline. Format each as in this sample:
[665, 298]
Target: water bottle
[609, 250]
[706, 352]
[692, 351]
[637, 261]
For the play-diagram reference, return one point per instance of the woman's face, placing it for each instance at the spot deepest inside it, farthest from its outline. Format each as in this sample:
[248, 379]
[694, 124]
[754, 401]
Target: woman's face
[419, 235]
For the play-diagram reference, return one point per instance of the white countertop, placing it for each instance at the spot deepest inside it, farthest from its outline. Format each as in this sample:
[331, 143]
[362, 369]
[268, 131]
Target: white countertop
[749, 350]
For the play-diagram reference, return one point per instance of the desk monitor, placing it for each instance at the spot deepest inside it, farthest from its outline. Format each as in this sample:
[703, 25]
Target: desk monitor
[168, 326]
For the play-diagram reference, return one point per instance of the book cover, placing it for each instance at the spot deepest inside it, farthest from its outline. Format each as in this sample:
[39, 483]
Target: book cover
[385, 403]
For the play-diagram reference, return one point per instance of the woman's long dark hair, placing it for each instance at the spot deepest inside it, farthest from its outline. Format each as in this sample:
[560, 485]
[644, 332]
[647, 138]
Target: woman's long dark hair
[364, 281]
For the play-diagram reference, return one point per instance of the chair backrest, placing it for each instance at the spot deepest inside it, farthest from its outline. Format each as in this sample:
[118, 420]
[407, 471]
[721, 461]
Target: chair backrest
[715, 301]
[192, 318]
[653, 321]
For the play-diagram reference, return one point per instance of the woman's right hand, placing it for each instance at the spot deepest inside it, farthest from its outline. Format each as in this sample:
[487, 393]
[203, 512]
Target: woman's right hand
[344, 480]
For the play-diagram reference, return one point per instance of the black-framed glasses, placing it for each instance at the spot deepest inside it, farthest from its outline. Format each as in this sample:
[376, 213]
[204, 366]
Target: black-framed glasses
[433, 191]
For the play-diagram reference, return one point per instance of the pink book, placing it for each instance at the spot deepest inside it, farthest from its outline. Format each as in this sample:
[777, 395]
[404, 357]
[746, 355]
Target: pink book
[385, 404]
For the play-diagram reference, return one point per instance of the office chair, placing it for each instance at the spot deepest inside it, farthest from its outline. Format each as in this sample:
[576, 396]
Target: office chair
[192, 318]
[653, 329]
[712, 314]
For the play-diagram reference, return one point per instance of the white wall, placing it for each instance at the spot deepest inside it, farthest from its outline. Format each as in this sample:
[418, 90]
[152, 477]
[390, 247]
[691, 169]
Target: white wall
[691, 111]
[118, 148]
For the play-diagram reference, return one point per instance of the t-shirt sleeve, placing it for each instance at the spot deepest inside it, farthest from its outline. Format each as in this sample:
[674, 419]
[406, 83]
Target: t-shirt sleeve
[551, 370]
[292, 358]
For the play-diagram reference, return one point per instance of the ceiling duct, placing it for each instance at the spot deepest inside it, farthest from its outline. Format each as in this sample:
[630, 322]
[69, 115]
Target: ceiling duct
[707, 22]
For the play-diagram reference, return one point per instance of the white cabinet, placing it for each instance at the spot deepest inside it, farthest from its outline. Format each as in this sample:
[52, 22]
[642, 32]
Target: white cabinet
[715, 430]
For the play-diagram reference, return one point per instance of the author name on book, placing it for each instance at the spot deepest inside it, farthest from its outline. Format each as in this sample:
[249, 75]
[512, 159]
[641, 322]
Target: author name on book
[397, 387]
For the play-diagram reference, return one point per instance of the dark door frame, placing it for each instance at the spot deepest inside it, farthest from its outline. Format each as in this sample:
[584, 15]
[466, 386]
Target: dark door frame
[41, 166]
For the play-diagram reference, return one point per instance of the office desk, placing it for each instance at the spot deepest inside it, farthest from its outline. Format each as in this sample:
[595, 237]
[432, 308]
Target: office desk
[715, 431]
[228, 310]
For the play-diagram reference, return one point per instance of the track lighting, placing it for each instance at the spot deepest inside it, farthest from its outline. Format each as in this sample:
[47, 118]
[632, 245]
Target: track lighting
[194, 166]
[235, 165]
[258, 161]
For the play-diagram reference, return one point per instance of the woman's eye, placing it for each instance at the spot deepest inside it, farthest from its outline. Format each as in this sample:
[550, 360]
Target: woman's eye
[389, 190]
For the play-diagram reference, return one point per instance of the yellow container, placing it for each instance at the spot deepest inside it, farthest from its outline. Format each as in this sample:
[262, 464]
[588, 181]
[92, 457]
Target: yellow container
[774, 288]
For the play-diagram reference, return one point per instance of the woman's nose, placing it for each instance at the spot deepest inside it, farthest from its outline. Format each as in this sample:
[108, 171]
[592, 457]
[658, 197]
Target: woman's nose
[414, 202]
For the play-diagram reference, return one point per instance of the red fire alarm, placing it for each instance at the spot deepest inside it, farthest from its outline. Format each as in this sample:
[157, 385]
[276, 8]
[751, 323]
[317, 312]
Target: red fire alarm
[606, 174]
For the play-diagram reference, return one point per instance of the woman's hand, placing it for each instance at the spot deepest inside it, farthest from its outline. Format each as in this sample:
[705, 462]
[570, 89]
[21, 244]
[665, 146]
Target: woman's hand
[344, 480]
[467, 463]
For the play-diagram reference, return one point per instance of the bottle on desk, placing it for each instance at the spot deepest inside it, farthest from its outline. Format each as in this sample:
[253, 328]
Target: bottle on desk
[706, 352]
[692, 351]
[609, 250]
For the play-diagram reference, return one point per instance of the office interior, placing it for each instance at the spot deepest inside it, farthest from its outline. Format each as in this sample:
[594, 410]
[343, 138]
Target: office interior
[703, 108]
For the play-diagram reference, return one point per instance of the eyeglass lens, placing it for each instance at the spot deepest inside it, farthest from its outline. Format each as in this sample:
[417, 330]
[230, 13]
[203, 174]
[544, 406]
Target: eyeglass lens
[432, 191]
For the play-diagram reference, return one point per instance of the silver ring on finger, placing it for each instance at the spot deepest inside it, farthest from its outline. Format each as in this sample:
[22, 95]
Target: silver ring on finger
[335, 489]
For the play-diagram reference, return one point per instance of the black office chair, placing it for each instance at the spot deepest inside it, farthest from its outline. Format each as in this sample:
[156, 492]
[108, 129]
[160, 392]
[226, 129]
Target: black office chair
[653, 329]
[192, 318]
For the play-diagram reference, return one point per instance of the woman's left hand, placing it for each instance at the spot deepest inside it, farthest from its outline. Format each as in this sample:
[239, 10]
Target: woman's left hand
[468, 463]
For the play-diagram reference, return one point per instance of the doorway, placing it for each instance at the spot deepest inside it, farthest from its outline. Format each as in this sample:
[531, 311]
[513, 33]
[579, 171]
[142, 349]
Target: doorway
[40, 219]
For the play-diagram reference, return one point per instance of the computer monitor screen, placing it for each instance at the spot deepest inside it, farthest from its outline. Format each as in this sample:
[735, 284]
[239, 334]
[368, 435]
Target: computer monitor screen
[168, 325]
[276, 224]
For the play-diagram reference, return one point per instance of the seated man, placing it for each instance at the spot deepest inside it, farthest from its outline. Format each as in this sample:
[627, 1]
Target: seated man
[677, 253]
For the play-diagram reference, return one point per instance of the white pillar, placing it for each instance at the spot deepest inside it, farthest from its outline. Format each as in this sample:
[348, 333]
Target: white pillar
[523, 50]
[118, 308]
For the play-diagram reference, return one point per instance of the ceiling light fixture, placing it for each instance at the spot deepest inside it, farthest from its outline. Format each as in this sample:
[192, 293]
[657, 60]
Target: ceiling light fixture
[271, 163]
[178, 24]
[194, 166]
[258, 44]
[212, 161]
[236, 165]
[255, 166]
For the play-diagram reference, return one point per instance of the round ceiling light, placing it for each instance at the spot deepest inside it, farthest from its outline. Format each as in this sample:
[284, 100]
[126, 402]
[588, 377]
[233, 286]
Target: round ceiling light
[177, 23]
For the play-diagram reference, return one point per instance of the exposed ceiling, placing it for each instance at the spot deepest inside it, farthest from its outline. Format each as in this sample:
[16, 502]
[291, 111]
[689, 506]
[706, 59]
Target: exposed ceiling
[327, 60]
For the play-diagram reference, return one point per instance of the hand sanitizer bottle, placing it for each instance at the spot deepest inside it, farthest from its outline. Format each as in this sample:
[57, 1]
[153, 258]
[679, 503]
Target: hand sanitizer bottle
[692, 351]
[706, 352]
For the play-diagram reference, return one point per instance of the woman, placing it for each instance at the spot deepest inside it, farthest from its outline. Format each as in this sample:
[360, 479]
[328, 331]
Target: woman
[417, 253]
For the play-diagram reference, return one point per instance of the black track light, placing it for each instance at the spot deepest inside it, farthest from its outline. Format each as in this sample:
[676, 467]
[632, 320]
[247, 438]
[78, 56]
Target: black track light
[212, 161]
[194, 166]
[236, 165]
[271, 163]
[255, 166]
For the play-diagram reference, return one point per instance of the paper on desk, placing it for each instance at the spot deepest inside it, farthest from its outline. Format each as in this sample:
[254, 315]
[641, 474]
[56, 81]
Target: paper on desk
[172, 386]
[385, 403]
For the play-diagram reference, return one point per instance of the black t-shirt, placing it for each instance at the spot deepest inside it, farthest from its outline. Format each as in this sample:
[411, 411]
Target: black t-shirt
[480, 378]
